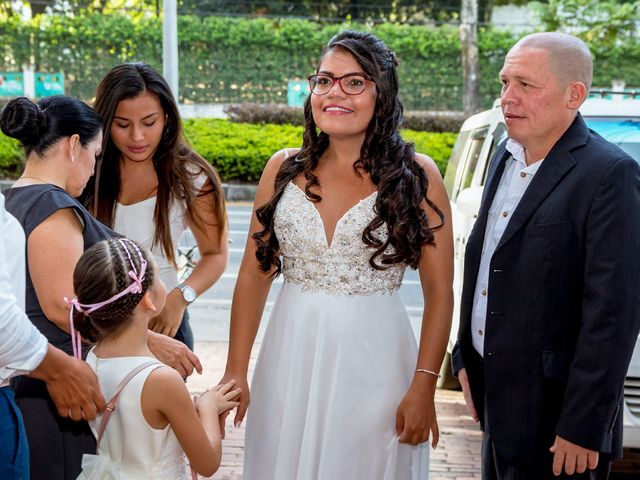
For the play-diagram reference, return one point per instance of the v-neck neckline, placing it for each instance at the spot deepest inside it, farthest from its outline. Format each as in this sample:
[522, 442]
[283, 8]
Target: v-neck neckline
[329, 242]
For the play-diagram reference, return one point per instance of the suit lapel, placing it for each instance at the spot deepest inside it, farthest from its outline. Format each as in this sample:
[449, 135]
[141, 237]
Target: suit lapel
[496, 169]
[476, 239]
[554, 167]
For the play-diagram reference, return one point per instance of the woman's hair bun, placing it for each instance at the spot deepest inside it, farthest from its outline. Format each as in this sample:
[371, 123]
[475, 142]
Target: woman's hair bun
[23, 120]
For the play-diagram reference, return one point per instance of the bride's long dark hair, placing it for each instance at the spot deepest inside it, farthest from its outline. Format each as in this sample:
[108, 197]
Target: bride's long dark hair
[390, 162]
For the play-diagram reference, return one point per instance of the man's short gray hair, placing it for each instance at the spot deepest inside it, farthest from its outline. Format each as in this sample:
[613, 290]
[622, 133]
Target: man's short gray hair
[569, 57]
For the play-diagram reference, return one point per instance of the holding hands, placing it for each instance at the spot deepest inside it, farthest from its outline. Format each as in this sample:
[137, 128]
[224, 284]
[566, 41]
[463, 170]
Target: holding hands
[219, 399]
[242, 398]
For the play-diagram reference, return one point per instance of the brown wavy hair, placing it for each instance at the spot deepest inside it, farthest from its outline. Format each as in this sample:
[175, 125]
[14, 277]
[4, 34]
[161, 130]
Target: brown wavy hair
[101, 273]
[176, 164]
[389, 161]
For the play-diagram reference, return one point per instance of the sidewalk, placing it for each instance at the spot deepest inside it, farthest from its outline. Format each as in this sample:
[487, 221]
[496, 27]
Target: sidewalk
[456, 458]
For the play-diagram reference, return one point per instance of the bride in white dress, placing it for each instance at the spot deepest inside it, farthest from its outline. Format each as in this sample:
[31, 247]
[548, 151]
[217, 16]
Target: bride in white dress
[341, 390]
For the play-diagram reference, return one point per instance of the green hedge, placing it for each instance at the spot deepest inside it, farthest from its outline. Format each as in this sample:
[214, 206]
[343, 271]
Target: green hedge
[11, 157]
[238, 60]
[430, 121]
[240, 150]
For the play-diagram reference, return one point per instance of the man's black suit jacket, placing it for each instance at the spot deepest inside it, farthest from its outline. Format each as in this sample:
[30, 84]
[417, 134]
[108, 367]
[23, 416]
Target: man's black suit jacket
[563, 308]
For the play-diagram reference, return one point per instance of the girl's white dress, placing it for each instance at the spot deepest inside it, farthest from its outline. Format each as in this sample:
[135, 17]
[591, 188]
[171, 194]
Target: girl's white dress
[130, 448]
[337, 358]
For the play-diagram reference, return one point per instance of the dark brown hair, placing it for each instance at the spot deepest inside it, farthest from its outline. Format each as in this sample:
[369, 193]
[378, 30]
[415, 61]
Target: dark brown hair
[175, 163]
[102, 272]
[40, 125]
[390, 162]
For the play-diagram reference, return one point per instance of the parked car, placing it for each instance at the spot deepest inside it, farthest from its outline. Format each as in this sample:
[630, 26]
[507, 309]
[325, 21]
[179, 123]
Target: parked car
[616, 119]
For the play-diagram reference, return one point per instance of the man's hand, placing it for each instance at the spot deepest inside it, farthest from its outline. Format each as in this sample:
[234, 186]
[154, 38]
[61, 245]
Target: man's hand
[466, 391]
[574, 458]
[72, 384]
[175, 354]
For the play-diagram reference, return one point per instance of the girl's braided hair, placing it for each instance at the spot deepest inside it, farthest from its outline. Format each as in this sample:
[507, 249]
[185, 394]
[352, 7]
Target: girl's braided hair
[102, 272]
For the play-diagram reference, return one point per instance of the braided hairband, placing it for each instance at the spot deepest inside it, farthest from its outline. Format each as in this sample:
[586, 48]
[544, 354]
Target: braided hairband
[135, 287]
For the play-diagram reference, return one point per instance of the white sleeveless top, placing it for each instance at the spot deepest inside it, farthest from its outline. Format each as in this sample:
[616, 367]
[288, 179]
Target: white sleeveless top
[130, 448]
[135, 221]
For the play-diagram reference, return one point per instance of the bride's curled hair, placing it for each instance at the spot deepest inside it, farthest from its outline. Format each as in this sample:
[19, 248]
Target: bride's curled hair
[390, 162]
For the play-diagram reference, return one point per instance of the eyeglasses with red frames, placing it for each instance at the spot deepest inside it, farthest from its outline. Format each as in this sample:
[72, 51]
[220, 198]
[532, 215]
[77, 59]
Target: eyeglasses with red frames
[351, 84]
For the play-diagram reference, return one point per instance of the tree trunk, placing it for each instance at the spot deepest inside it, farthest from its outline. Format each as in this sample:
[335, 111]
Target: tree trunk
[40, 7]
[470, 67]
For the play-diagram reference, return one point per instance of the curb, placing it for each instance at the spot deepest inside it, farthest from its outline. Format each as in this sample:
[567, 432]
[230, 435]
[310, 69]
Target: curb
[232, 192]
[239, 192]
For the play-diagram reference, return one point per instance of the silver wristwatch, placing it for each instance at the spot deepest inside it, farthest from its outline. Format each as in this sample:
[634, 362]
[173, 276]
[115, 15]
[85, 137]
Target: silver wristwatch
[188, 293]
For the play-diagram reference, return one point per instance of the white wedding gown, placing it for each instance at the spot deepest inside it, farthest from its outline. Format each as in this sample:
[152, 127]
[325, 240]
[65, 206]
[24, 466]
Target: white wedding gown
[337, 358]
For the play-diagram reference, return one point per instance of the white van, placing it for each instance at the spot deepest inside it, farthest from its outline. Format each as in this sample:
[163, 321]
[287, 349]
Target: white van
[617, 119]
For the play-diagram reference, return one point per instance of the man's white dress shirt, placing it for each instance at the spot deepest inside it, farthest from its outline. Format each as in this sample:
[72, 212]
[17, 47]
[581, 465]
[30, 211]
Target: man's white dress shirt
[514, 181]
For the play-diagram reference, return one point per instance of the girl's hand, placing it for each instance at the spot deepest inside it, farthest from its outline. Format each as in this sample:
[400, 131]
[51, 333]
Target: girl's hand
[168, 320]
[416, 414]
[219, 398]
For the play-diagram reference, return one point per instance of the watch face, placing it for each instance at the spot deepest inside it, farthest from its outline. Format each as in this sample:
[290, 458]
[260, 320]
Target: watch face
[189, 294]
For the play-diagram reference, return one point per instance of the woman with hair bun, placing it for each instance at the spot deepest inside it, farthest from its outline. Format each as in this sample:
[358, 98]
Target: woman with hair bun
[341, 389]
[62, 137]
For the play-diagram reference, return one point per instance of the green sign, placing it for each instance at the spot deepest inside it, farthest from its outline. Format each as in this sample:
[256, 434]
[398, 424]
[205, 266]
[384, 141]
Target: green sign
[49, 84]
[297, 93]
[12, 85]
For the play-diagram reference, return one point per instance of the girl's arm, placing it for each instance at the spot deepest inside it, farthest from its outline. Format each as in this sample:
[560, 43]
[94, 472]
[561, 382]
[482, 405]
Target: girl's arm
[249, 296]
[212, 240]
[166, 400]
[53, 249]
[416, 415]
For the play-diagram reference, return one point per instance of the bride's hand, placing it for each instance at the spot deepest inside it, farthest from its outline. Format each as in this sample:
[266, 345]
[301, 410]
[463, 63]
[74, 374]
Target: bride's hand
[416, 414]
[240, 381]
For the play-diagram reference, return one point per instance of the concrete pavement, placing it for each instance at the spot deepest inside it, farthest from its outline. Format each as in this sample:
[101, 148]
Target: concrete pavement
[456, 458]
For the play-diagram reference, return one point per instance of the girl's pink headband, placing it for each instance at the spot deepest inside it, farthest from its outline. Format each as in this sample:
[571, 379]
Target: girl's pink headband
[135, 287]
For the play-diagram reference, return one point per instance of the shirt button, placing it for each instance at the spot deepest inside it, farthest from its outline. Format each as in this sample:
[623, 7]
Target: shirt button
[522, 174]
[505, 214]
[484, 292]
[480, 332]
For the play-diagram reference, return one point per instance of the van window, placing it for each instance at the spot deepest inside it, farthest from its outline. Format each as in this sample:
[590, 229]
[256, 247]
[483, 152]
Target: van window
[454, 161]
[477, 140]
[623, 132]
[498, 136]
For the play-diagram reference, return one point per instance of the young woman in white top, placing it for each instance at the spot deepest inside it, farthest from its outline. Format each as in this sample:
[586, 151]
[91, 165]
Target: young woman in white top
[24, 349]
[150, 186]
[152, 421]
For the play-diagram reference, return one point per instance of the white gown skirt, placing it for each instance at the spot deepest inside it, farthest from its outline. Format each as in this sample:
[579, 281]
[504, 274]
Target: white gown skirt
[330, 375]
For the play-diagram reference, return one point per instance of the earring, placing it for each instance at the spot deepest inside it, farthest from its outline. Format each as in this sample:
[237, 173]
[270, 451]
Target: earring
[73, 158]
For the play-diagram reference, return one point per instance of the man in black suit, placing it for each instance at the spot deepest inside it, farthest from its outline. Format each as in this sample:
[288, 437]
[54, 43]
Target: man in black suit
[550, 309]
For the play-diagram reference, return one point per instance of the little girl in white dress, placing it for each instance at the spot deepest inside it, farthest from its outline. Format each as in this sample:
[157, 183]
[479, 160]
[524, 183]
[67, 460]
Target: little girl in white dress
[151, 425]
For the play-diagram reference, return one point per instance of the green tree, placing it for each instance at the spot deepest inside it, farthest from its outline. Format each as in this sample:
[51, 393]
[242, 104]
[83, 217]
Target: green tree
[605, 21]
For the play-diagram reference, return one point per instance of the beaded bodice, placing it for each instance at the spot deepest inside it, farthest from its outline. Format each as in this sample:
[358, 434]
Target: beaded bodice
[341, 268]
